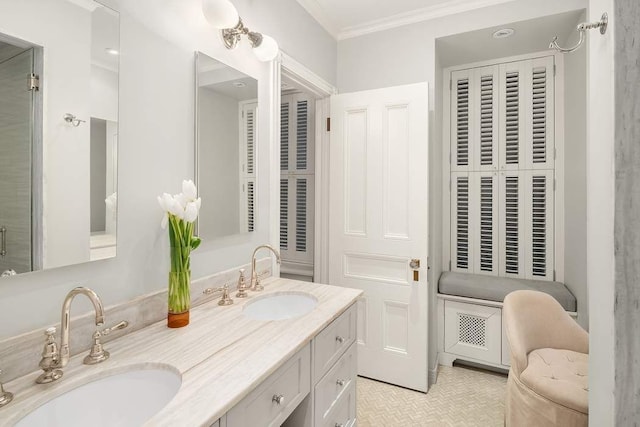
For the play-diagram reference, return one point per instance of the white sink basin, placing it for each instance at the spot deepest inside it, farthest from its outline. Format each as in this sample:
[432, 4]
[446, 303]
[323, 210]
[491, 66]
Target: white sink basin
[280, 306]
[126, 399]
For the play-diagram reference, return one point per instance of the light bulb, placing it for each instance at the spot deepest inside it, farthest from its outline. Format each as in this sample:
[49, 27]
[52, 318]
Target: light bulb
[267, 50]
[220, 13]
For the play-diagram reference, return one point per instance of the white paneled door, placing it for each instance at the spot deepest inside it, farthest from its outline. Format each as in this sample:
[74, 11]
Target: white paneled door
[378, 225]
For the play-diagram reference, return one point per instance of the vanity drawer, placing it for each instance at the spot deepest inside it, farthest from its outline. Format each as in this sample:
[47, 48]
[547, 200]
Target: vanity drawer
[340, 378]
[344, 414]
[333, 341]
[292, 381]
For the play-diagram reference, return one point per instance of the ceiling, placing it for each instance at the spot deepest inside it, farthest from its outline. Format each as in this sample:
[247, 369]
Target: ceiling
[530, 36]
[352, 18]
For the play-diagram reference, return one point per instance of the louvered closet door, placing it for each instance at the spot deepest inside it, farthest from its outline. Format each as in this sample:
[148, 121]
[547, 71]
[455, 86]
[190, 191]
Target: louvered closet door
[297, 178]
[540, 126]
[527, 115]
[248, 122]
[475, 119]
[462, 222]
[512, 225]
[502, 117]
[485, 203]
[539, 255]
[461, 120]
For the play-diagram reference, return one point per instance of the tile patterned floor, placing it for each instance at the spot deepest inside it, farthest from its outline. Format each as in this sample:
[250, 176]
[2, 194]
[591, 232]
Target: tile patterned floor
[461, 397]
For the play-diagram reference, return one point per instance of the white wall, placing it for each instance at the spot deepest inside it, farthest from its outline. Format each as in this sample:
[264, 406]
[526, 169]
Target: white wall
[600, 265]
[218, 154]
[575, 175]
[158, 41]
[407, 55]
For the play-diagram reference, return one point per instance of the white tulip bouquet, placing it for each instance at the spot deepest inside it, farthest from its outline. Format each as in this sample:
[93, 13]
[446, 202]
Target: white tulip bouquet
[181, 211]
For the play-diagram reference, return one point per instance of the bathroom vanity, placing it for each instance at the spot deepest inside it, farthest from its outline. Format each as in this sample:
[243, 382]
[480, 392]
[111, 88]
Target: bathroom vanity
[236, 370]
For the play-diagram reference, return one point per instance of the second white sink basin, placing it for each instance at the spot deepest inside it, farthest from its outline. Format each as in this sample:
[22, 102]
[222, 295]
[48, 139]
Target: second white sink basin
[280, 306]
[127, 399]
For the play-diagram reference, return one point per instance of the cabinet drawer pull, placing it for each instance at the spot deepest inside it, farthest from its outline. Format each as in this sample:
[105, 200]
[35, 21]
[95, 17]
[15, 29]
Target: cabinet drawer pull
[339, 339]
[341, 383]
[278, 399]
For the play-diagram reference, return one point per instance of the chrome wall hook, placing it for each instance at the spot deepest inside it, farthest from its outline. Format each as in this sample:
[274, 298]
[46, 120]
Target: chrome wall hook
[582, 28]
[70, 118]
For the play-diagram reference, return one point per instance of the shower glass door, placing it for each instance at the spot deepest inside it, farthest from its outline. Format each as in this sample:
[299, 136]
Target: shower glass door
[16, 126]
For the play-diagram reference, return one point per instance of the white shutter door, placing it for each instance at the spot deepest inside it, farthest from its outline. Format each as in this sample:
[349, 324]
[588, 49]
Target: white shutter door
[512, 115]
[512, 233]
[249, 119]
[485, 223]
[484, 109]
[297, 179]
[539, 221]
[540, 114]
[461, 120]
[462, 227]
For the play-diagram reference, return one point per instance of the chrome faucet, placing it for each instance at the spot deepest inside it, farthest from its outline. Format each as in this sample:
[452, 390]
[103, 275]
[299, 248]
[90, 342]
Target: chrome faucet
[52, 359]
[255, 281]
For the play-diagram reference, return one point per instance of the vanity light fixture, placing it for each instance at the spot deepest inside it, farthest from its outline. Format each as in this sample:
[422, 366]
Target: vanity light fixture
[224, 16]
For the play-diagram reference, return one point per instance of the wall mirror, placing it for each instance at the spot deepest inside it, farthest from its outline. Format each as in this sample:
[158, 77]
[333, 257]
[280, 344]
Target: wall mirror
[226, 138]
[58, 133]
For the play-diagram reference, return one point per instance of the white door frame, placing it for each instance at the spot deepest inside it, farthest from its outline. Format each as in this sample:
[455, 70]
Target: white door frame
[293, 70]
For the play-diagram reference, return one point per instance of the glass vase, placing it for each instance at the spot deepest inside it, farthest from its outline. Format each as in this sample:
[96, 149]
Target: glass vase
[179, 298]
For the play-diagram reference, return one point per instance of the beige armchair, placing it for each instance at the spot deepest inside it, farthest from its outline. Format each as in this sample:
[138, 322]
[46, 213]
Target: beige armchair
[548, 383]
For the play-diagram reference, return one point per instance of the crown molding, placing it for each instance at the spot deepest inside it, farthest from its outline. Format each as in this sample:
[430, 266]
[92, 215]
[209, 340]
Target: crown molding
[317, 12]
[412, 17]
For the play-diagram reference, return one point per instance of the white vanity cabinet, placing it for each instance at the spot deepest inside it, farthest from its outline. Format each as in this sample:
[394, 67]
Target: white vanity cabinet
[335, 371]
[315, 387]
[277, 397]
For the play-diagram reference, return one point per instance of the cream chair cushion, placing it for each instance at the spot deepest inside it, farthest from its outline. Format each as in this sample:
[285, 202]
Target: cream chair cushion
[560, 376]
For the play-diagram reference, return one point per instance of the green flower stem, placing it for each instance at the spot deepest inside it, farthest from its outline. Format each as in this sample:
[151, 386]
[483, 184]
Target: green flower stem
[182, 243]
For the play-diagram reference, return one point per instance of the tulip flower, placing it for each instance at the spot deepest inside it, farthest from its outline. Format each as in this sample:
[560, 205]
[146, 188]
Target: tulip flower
[180, 213]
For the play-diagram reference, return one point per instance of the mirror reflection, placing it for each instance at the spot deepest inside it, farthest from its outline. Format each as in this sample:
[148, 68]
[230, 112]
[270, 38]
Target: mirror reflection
[58, 133]
[226, 119]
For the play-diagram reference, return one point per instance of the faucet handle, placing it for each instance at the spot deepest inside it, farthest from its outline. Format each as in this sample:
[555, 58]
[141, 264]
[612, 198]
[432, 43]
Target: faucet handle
[5, 396]
[116, 327]
[242, 285]
[50, 361]
[98, 353]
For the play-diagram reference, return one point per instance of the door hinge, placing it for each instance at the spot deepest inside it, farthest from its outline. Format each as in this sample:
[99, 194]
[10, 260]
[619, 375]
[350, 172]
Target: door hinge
[33, 82]
[328, 124]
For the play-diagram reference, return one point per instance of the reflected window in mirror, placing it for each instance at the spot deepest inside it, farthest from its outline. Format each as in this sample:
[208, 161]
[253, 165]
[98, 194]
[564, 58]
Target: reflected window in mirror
[226, 141]
[58, 133]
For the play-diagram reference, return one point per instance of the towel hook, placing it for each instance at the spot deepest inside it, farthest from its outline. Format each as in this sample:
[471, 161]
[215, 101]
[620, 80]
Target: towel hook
[582, 28]
[70, 118]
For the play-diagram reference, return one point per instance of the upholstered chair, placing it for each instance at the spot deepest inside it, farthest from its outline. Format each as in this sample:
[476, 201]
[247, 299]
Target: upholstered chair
[548, 383]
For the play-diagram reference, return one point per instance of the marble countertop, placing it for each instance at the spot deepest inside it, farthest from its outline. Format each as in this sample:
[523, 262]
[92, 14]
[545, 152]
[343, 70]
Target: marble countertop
[222, 355]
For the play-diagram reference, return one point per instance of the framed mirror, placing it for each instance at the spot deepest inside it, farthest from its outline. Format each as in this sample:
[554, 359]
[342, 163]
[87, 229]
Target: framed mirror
[58, 133]
[226, 138]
